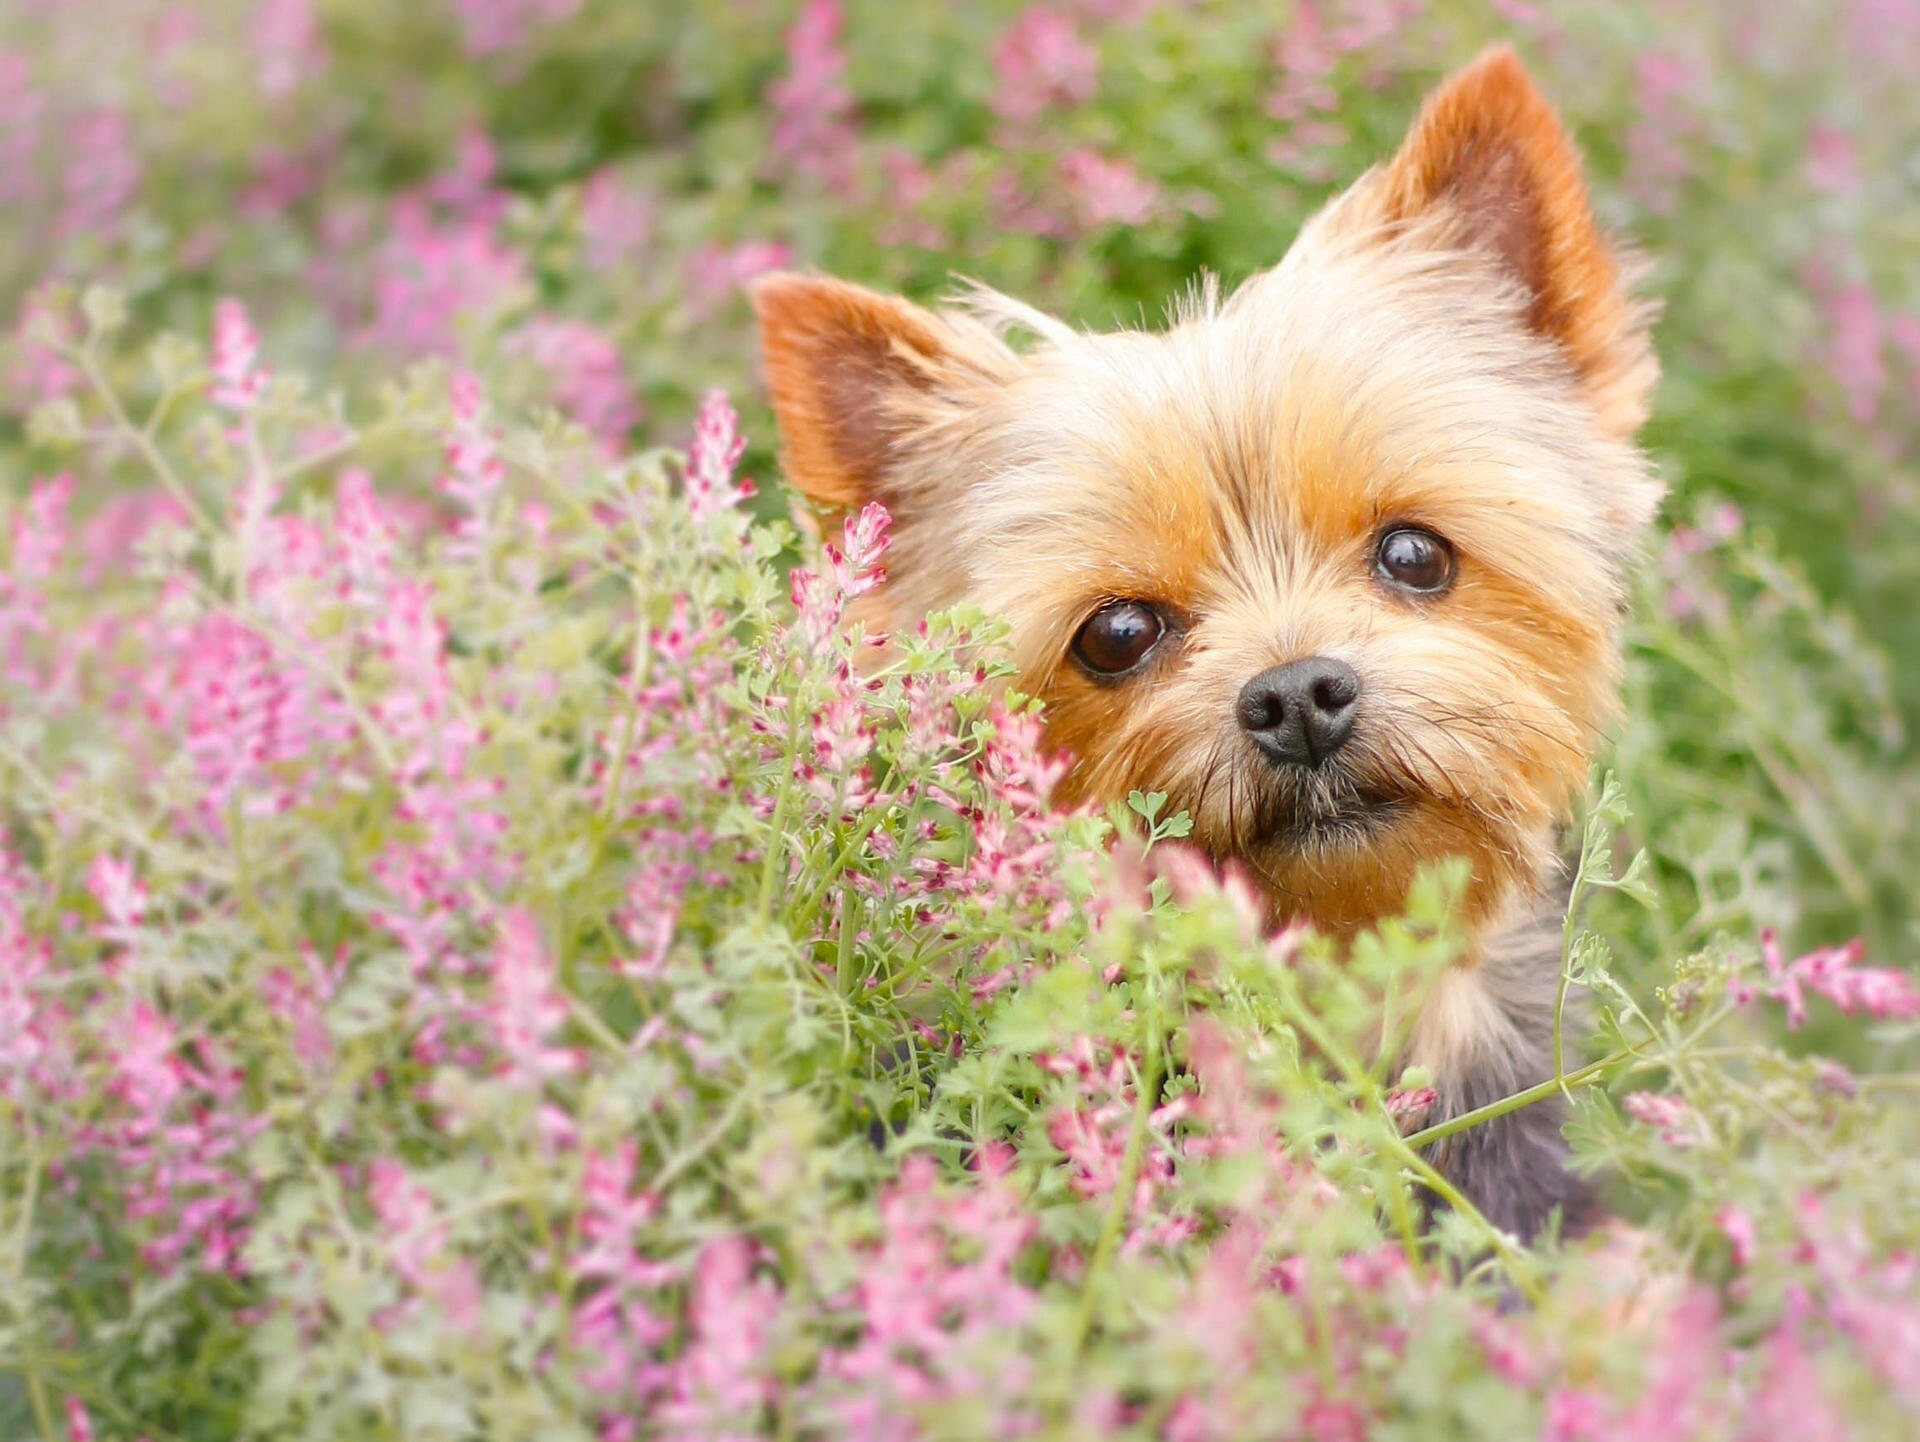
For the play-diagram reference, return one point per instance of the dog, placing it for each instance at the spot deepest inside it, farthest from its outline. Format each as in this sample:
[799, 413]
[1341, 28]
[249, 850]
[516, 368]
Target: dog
[1338, 562]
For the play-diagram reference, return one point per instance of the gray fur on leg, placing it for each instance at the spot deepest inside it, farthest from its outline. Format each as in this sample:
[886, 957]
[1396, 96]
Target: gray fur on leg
[1514, 1169]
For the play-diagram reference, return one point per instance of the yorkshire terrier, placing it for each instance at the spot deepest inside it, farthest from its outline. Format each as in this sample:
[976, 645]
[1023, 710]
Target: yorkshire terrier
[1338, 563]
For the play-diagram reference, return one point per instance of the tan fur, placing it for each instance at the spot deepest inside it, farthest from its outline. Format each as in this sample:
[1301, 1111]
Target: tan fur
[1449, 343]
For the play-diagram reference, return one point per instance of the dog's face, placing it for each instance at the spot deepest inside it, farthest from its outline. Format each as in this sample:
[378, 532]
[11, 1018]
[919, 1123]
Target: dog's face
[1337, 563]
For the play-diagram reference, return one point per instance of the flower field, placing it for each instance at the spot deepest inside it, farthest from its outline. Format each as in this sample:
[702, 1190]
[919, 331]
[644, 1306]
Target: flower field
[486, 951]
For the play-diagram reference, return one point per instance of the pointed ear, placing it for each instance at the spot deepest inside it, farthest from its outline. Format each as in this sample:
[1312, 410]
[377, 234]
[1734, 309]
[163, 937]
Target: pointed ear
[1489, 160]
[854, 376]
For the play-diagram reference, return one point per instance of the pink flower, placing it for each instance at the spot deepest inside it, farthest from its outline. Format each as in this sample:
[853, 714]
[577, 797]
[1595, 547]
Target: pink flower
[1830, 971]
[1789, 1401]
[1107, 191]
[1677, 1122]
[1832, 165]
[28, 1021]
[1656, 146]
[1040, 62]
[39, 546]
[1854, 348]
[813, 129]
[238, 379]
[79, 1424]
[721, 1380]
[287, 47]
[526, 1008]
[926, 1312]
[495, 25]
[589, 377]
[1739, 1230]
[432, 276]
[21, 109]
[616, 220]
[711, 459]
[715, 273]
[103, 174]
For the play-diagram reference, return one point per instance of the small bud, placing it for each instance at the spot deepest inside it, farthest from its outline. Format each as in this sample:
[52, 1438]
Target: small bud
[56, 424]
[105, 309]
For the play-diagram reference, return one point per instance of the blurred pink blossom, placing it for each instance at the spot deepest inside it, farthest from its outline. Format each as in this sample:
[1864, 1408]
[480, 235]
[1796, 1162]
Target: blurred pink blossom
[287, 48]
[1832, 163]
[1107, 192]
[813, 126]
[616, 220]
[588, 376]
[1667, 86]
[238, 379]
[21, 106]
[102, 175]
[430, 276]
[491, 26]
[526, 1007]
[723, 1378]
[1040, 62]
[1677, 1122]
[712, 489]
[1855, 354]
[715, 273]
[1830, 971]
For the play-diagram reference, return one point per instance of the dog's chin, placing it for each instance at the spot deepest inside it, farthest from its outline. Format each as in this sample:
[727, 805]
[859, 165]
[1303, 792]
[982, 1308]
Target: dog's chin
[1324, 815]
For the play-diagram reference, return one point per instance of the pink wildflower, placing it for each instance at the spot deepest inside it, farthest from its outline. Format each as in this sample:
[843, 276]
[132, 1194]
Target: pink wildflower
[925, 1314]
[492, 26]
[238, 379]
[714, 273]
[589, 377]
[1855, 351]
[1108, 192]
[717, 447]
[1832, 164]
[722, 1376]
[1739, 1231]
[616, 220]
[27, 1040]
[1677, 1122]
[813, 128]
[287, 47]
[1656, 146]
[432, 276]
[1829, 971]
[1789, 1401]
[1040, 62]
[79, 1424]
[103, 174]
[475, 472]
[417, 1244]
[21, 108]
[39, 545]
[526, 1009]
[364, 539]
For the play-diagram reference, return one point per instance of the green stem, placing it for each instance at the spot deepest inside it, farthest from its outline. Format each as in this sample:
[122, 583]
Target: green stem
[42, 1411]
[1586, 1076]
[1519, 1266]
[144, 443]
[1574, 898]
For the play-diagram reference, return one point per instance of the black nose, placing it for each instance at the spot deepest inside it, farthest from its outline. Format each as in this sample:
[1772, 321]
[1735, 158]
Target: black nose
[1302, 712]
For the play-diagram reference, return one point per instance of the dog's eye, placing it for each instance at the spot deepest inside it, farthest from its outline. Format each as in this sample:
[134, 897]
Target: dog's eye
[1414, 560]
[1118, 637]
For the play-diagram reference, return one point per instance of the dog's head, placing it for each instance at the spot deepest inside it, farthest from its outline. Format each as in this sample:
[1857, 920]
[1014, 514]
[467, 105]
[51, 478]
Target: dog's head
[1337, 563]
